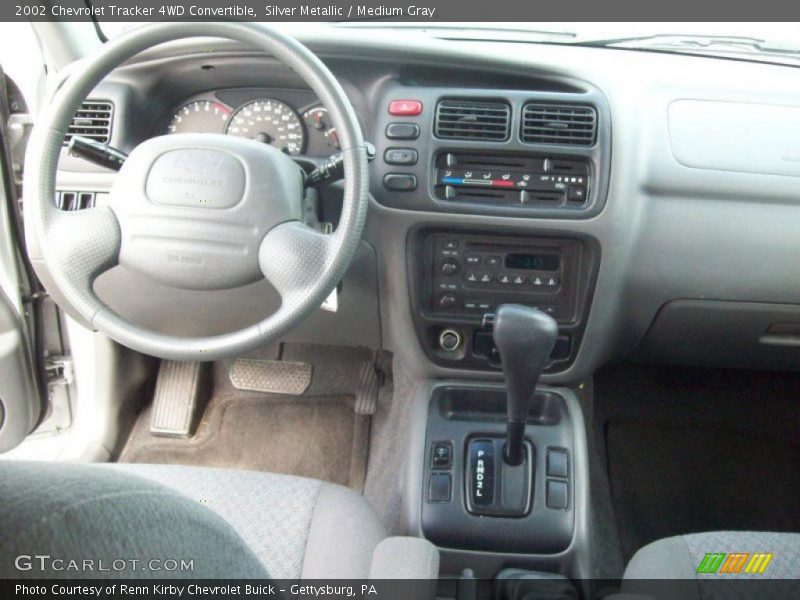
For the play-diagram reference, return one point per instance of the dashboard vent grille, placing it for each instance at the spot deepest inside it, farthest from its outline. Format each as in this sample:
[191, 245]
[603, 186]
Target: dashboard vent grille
[93, 121]
[472, 120]
[558, 124]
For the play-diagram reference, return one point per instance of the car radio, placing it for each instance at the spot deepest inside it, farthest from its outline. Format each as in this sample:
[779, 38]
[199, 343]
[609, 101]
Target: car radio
[473, 275]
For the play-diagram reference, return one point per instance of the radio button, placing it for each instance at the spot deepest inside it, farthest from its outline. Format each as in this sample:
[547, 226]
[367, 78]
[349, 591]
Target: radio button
[486, 278]
[504, 279]
[449, 267]
[537, 281]
[471, 277]
[447, 301]
[518, 280]
[450, 245]
[551, 282]
[492, 261]
[473, 259]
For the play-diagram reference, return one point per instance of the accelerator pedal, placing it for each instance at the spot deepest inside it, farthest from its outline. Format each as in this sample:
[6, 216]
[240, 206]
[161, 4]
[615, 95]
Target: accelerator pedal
[180, 391]
[270, 376]
[369, 382]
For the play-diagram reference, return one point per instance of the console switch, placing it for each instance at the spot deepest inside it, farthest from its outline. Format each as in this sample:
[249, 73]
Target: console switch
[439, 487]
[557, 494]
[441, 455]
[557, 463]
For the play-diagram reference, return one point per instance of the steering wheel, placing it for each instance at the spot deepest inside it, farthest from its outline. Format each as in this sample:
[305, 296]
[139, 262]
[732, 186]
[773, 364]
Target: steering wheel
[196, 211]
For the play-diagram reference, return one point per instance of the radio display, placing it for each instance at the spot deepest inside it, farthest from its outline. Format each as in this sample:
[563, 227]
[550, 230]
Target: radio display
[537, 262]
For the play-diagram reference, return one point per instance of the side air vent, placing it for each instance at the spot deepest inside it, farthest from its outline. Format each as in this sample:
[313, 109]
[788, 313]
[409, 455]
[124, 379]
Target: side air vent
[558, 124]
[93, 121]
[472, 120]
[75, 200]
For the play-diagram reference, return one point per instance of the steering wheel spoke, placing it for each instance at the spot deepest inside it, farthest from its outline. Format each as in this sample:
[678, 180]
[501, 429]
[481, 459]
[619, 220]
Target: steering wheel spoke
[84, 244]
[293, 257]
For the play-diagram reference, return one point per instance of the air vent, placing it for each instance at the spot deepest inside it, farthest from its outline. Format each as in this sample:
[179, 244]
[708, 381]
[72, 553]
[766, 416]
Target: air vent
[470, 120]
[93, 121]
[558, 124]
[75, 200]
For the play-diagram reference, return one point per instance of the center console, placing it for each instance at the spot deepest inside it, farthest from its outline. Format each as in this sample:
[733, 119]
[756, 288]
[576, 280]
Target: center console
[465, 502]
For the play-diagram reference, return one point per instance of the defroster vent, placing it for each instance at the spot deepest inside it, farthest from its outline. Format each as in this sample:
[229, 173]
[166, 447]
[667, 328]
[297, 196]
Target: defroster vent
[93, 121]
[472, 120]
[558, 124]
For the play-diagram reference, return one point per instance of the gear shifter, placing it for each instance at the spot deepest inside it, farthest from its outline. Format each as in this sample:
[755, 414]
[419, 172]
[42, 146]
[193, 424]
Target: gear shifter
[525, 338]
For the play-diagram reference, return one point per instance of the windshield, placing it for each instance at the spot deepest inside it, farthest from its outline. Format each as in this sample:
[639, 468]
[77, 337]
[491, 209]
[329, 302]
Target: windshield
[777, 42]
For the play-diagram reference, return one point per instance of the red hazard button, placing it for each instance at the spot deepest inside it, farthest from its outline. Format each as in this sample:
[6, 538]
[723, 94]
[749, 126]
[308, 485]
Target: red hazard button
[405, 108]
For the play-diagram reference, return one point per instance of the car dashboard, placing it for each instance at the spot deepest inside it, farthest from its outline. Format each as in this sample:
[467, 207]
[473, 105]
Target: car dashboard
[559, 177]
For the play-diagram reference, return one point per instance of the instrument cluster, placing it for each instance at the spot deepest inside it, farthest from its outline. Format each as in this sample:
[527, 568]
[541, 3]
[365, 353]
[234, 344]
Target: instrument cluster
[293, 121]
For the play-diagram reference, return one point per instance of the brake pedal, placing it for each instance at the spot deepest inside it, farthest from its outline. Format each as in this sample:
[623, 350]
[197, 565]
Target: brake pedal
[178, 395]
[270, 376]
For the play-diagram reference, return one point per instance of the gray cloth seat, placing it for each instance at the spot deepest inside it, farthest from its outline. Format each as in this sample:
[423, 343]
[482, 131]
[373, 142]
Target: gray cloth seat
[234, 524]
[686, 567]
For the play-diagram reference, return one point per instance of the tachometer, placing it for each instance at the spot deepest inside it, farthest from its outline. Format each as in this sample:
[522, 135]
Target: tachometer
[200, 116]
[271, 122]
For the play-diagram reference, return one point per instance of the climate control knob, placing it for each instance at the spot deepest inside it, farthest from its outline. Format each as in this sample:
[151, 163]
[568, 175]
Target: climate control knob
[449, 267]
[450, 340]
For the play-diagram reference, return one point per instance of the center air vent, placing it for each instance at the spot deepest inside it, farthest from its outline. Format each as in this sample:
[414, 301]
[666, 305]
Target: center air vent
[471, 120]
[93, 121]
[558, 124]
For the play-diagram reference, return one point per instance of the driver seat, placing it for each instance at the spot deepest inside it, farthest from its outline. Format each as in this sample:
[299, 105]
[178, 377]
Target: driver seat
[231, 524]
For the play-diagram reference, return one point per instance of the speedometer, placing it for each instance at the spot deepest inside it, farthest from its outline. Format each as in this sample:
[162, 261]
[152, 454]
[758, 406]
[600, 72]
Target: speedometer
[271, 122]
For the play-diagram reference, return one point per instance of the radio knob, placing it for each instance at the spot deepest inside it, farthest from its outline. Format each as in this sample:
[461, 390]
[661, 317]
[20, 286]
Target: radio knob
[449, 267]
[450, 340]
[447, 301]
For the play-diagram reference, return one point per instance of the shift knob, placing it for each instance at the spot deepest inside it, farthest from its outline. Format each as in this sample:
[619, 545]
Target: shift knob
[524, 337]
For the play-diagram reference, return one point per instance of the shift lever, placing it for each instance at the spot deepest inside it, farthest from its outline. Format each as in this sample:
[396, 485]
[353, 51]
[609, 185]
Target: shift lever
[525, 338]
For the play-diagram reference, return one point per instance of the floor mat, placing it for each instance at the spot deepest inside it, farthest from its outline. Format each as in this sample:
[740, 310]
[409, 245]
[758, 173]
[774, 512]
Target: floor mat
[692, 450]
[317, 437]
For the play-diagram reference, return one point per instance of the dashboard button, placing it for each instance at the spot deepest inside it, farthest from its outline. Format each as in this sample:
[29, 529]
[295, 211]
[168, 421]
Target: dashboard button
[504, 279]
[485, 278]
[405, 108]
[492, 261]
[398, 182]
[473, 259]
[402, 131]
[400, 156]
[576, 193]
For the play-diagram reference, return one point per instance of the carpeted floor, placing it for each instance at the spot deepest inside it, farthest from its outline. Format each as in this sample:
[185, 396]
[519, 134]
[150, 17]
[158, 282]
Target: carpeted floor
[318, 437]
[315, 435]
[692, 450]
